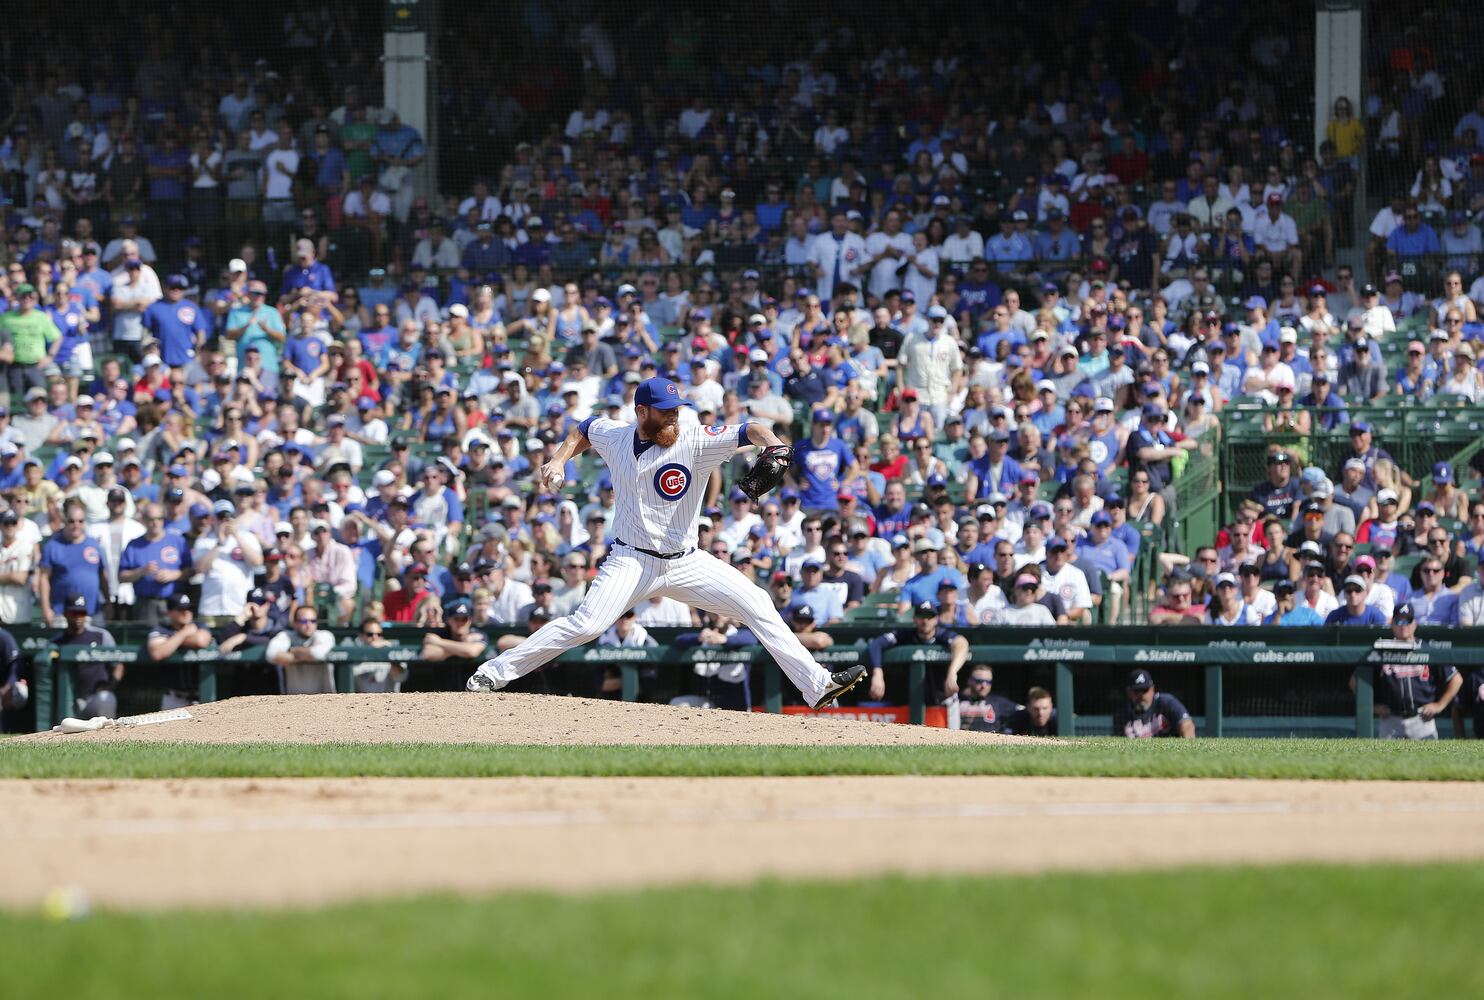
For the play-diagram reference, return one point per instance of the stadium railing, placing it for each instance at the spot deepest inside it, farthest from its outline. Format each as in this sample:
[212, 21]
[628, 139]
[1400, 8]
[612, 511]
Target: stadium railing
[1416, 433]
[1267, 682]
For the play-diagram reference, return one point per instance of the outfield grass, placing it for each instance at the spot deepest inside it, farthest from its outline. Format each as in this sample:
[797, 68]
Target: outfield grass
[1299, 931]
[1268, 758]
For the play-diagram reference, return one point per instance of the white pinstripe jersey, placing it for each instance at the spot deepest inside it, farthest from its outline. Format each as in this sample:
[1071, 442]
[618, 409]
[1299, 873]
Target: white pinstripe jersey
[658, 491]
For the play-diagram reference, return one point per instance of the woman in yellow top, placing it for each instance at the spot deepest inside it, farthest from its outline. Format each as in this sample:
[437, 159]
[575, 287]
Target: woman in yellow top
[1345, 130]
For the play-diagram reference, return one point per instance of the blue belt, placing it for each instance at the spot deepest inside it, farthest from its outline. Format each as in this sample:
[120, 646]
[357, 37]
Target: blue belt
[652, 552]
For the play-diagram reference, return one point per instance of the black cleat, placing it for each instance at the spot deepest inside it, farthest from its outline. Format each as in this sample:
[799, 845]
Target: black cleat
[840, 682]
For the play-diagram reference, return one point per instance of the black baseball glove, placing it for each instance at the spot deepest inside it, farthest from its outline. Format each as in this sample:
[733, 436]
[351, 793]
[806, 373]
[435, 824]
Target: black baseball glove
[767, 472]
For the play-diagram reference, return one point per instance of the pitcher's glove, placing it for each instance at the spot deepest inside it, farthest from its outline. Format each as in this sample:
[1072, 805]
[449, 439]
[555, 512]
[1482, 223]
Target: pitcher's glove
[767, 472]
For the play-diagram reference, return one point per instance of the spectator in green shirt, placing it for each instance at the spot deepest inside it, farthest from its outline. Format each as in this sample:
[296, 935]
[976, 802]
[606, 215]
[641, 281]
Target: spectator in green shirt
[356, 136]
[27, 338]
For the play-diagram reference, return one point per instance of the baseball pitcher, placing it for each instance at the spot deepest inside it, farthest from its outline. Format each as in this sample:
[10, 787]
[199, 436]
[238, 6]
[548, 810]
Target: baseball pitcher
[660, 469]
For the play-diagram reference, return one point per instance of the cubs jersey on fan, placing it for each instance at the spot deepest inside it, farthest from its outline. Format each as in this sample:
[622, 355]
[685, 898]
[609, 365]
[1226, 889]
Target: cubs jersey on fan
[659, 490]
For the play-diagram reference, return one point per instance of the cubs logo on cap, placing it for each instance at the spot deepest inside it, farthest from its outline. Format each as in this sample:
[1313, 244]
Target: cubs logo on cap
[659, 393]
[672, 481]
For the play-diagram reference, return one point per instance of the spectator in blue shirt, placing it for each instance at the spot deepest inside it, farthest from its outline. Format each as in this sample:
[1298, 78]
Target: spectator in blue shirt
[977, 294]
[1057, 242]
[154, 563]
[535, 251]
[826, 601]
[307, 275]
[995, 471]
[1107, 553]
[821, 463]
[1354, 610]
[179, 324]
[1288, 610]
[924, 585]
[1413, 237]
[331, 171]
[71, 564]
[484, 257]
[168, 170]
[1008, 249]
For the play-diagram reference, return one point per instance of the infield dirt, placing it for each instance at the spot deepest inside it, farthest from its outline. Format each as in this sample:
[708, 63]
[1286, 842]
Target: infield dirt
[223, 843]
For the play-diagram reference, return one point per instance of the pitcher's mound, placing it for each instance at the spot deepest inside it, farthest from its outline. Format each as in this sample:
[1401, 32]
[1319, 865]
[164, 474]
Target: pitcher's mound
[506, 718]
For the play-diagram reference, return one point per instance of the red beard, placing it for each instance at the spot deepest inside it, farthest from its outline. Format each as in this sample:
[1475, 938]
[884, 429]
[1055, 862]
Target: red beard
[661, 433]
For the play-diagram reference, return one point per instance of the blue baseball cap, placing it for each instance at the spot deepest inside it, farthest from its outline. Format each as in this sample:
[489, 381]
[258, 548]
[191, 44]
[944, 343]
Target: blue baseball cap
[1359, 427]
[199, 510]
[1257, 302]
[823, 417]
[659, 394]
[1442, 473]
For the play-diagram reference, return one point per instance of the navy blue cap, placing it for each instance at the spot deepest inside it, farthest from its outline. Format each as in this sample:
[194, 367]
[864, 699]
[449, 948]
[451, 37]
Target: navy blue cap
[660, 394]
[1057, 544]
[1359, 427]
[1139, 680]
[459, 608]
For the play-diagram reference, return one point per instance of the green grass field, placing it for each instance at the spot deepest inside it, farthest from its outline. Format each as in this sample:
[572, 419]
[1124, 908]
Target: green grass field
[1106, 757]
[1283, 932]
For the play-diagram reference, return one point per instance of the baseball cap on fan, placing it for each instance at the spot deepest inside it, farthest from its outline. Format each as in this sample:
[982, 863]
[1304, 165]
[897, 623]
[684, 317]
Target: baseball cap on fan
[659, 393]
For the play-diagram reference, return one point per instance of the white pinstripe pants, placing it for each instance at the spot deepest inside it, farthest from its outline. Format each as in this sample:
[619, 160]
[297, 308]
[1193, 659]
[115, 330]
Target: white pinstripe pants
[701, 580]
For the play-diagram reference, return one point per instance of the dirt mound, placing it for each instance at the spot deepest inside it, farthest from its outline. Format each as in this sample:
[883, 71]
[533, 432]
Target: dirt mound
[508, 718]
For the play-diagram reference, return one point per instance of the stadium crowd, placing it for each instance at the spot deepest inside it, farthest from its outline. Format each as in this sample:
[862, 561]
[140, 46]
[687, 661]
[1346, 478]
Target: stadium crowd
[250, 353]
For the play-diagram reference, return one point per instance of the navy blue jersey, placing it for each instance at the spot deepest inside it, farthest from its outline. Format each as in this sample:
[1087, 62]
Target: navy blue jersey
[907, 637]
[1473, 692]
[1161, 718]
[990, 714]
[1021, 725]
[1404, 687]
[1279, 501]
